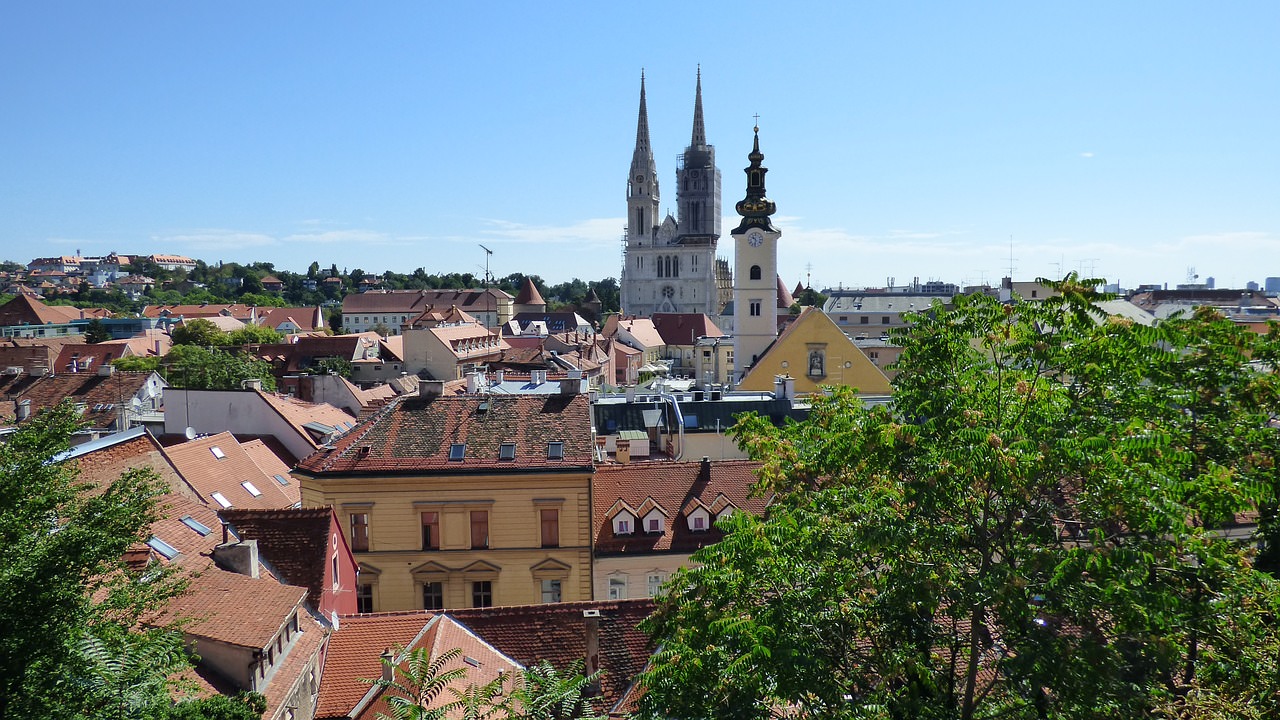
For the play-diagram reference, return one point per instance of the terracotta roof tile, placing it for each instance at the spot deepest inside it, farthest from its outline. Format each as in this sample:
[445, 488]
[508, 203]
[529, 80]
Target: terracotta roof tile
[673, 488]
[298, 413]
[406, 301]
[557, 633]
[272, 465]
[309, 645]
[104, 397]
[199, 463]
[414, 434]
[232, 608]
[353, 655]
[86, 358]
[684, 328]
[295, 541]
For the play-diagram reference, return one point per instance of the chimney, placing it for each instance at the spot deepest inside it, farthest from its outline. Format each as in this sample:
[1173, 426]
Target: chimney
[475, 382]
[251, 384]
[388, 665]
[790, 384]
[23, 410]
[570, 386]
[106, 369]
[537, 377]
[591, 626]
[238, 557]
[430, 388]
[501, 376]
[779, 387]
[623, 456]
[704, 470]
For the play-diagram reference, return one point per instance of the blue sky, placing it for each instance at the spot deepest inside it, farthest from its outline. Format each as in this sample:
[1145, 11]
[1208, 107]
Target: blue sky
[1131, 140]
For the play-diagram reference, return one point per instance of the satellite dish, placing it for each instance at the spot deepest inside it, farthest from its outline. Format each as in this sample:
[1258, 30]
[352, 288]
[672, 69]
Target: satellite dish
[190, 432]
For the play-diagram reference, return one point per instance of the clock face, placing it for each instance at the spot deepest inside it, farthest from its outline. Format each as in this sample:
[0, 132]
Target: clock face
[755, 239]
[639, 178]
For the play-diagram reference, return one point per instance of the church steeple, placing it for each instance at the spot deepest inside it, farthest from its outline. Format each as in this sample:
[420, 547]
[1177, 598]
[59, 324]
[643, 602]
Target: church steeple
[755, 208]
[699, 127]
[643, 155]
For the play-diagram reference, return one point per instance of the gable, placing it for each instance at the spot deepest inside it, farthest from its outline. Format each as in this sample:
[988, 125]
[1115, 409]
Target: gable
[815, 352]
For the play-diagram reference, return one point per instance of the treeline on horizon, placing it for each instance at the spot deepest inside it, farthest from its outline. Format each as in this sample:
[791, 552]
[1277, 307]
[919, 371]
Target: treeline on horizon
[229, 282]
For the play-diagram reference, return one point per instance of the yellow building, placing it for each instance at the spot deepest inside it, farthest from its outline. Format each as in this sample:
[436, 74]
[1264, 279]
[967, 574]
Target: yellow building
[815, 352]
[463, 501]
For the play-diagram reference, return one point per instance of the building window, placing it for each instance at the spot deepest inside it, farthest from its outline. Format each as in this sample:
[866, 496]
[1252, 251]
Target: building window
[507, 451]
[865, 320]
[457, 452]
[550, 528]
[360, 532]
[755, 272]
[337, 578]
[555, 451]
[551, 591]
[653, 524]
[430, 531]
[755, 308]
[364, 598]
[655, 585]
[617, 588]
[884, 320]
[432, 596]
[482, 593]
[622, 526]
[479, 529]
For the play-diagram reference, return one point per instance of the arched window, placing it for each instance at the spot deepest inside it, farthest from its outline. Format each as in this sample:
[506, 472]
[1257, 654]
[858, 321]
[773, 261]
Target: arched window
[755, 272]
[660, 266]
[675, 266]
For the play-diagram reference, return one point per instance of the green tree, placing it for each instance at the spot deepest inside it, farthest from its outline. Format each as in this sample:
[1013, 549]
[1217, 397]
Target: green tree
[1031, 531]
[199, 368]
[137, 363]
[242, 706]
[334, 365]
[543, 693]
[253, 335]
[198, 331]
[67, 604]
[419, 686]
[96, 332]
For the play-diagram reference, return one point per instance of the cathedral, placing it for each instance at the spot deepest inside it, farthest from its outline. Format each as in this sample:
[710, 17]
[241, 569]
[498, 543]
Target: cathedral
[669, 263]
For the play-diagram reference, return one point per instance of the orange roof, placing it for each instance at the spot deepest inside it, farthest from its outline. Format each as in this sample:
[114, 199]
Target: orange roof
[298, 413]
[232, 608]
[684, 328]
[529, 294]
[217, 464]
[271, 465]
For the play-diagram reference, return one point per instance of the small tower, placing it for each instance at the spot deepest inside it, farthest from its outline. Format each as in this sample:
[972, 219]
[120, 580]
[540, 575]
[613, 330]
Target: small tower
[755, 276]
[529, 300]
[642, 185]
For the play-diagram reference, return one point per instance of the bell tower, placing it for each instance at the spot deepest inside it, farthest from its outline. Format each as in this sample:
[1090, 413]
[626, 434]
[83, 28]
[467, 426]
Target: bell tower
[755, 276]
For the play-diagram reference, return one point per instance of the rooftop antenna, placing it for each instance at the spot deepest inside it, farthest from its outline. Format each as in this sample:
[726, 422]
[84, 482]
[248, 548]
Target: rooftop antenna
[1011, 259]
[487, 277]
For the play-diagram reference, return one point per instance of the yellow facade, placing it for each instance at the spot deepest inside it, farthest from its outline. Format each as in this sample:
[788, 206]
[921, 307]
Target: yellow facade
[815, 352]
[389, 511]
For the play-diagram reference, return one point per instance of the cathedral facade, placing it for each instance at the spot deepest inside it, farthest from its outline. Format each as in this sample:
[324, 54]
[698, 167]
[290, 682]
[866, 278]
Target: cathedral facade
[670, 263]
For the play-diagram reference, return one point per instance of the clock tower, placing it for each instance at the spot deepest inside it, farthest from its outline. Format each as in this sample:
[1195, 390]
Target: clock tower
[755, 274]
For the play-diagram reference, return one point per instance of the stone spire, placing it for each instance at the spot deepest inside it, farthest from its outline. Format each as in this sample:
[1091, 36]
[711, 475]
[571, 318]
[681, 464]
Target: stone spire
[699, 127]
[642, 158]
[755, 208]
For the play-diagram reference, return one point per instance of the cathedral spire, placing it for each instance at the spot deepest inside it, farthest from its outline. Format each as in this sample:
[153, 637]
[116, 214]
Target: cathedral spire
[699, 128]
[642, 125]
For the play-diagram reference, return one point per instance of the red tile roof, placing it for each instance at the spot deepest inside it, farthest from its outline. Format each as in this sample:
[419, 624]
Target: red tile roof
[271, 464]
[27, 310]
[232, 608]
[294, 541]
[415, 435]
[86, 358]
[205, 310]
[306, 319]
[557, 633]
[415, 301]
[529, 294]
[104, 397]
[676, 489]
[200, 465]
[684, 328]
[353, 655]
[298, 413]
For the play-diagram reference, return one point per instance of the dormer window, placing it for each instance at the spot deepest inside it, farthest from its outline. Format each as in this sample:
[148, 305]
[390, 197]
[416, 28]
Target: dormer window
[457, 452]
[217, 452]
[699, 520]
[555, 451]
[623, 523]
[507, 451]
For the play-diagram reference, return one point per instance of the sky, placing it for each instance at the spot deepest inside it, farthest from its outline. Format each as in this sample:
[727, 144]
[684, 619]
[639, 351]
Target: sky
[1135, 141]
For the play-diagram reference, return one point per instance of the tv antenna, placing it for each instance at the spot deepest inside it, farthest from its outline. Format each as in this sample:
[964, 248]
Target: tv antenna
[487, 252]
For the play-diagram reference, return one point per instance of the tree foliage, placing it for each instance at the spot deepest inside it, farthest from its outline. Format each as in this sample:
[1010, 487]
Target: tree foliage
[96, 332]
[67, 605]
[198, 331]
[201, 368]
[1033, 530]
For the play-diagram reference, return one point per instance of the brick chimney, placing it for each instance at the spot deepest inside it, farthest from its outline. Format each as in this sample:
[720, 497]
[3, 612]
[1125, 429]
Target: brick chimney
[591, 628]
[238, 557]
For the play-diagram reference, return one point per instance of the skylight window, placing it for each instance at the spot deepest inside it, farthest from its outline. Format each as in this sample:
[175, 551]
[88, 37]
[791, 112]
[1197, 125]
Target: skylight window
[507, 451]
[282, 480]
[196, 525]
[168, 551]
[253, 489]
[555, 451]
[222, 499]
[217, 452]
[457, 452]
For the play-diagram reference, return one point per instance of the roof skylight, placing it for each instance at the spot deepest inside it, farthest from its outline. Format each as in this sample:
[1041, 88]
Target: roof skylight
[282, 480]
[507, 451]
[162, 547]
[222, 499]
[196, 525]
[217, 452]
[555, 451]
[457, 451]
[253, 489]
